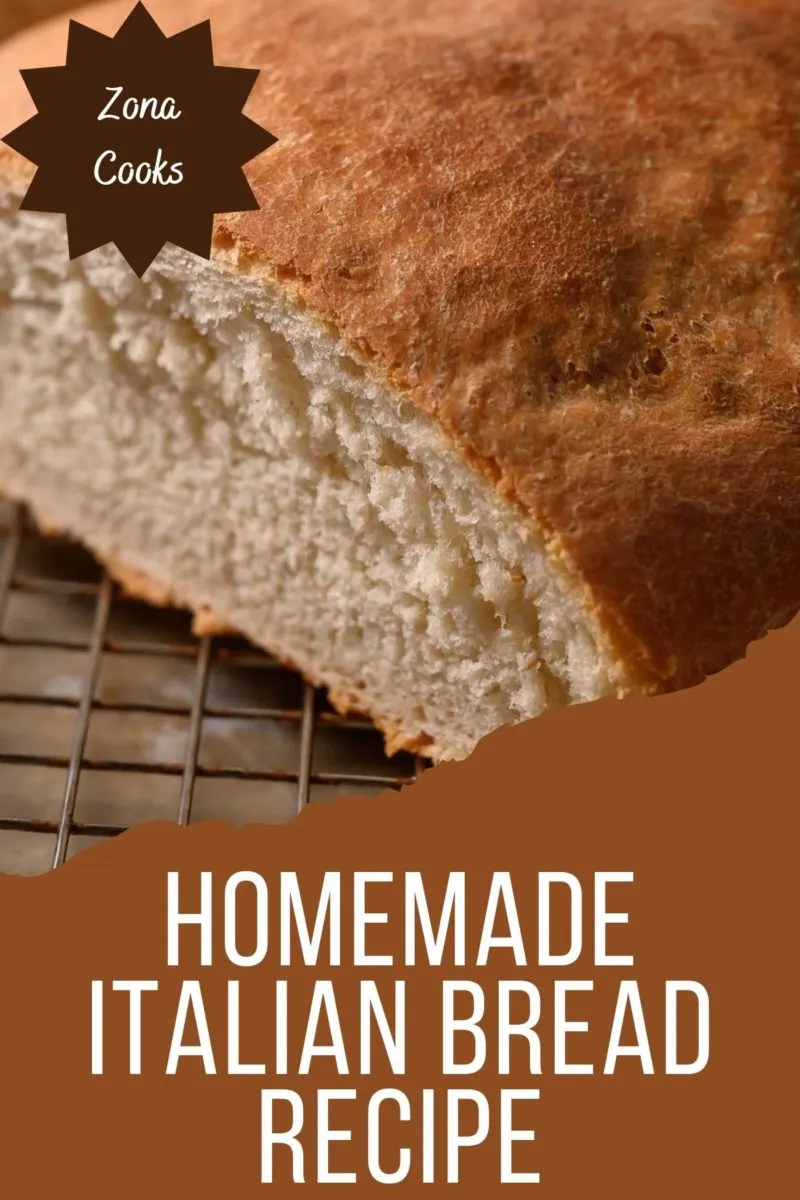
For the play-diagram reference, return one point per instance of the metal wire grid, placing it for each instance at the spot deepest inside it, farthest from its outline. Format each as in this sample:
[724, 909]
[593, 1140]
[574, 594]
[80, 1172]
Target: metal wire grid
[205, 651]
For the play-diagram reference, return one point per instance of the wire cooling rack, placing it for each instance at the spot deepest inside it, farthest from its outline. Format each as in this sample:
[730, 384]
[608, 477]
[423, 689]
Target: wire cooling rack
[112, 713]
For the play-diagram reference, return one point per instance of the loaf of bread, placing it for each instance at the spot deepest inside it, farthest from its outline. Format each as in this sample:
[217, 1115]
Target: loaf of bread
[495, 403]
[16, 14]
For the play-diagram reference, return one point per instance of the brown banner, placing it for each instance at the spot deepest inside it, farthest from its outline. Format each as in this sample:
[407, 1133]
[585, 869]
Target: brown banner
[461, 999]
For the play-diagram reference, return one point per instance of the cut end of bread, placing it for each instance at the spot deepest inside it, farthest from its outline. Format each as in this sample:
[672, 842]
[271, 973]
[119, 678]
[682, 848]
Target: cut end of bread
[205, 432]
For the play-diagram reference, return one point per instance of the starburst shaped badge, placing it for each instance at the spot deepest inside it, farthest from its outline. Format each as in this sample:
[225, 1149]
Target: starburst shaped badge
[139, 139]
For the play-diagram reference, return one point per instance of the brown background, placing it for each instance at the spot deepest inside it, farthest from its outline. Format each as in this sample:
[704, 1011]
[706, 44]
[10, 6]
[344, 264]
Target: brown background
[695, 792]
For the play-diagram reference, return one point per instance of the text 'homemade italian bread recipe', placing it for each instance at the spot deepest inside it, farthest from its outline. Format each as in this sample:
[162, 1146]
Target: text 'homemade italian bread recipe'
[494, 404]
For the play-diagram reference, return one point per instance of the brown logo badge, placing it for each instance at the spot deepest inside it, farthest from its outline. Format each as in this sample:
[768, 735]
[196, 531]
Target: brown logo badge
[140, 139]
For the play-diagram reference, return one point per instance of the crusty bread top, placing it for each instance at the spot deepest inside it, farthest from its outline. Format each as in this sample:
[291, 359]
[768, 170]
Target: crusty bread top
[17, 14]
[571, 231]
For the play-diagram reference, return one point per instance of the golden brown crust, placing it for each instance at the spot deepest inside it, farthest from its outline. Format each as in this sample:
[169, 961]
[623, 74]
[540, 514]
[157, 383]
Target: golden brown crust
[207, 623]
[395, 739]
[570, 230]
[17, 14]
[138, 586]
